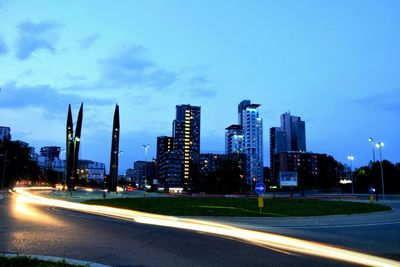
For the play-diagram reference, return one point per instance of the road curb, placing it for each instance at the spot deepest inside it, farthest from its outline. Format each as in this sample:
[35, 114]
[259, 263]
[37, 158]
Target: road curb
[55, 259]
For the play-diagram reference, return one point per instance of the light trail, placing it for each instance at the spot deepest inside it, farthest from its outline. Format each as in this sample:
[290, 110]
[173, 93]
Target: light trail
[262, 239]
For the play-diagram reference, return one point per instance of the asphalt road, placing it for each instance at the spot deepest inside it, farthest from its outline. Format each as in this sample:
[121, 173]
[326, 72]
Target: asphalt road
[58, 232]
[376, 234]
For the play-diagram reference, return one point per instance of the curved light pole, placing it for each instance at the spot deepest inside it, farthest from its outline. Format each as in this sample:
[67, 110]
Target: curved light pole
[379, 146]
[146, 150]
[373, 148]
[351, 158]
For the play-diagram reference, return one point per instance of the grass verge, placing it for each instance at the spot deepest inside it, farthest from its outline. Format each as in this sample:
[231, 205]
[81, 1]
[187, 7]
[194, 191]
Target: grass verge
[26, 261]
[245, 207]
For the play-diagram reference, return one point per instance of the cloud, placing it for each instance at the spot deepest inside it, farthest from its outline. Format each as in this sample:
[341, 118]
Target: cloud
[35, 36]
[88, 41]
[55, 100]
[200, 86]
[387, 101]
[3, 47]
[131, 67]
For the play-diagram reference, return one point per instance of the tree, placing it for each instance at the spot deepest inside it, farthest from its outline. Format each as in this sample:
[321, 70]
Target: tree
[368, 176]
[17, 164]
[329, 171]
[227, 178]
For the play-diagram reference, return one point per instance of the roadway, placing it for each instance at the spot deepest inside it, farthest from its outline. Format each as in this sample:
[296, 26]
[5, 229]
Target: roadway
[33, 229]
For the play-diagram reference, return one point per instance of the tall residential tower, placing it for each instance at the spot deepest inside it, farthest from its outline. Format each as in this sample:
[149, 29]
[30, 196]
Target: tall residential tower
[246, 138]
[289, 137]
[178, 156]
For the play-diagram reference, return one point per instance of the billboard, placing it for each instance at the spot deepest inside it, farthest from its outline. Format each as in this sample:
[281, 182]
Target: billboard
[288, 178]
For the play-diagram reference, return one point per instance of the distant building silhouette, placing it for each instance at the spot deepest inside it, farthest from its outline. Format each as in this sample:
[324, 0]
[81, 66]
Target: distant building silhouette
[5, 133]
[289, 137]
[295, 131]
[143, 173]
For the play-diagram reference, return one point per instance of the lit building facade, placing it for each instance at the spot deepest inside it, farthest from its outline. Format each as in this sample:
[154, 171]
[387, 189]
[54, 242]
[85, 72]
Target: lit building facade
[169, 163]
[186, 133]
[178, 156]
[87, 170]
[234, 139]
[252, 126]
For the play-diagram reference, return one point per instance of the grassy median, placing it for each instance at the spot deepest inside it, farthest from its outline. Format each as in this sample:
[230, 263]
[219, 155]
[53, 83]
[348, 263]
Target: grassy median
[246, 207]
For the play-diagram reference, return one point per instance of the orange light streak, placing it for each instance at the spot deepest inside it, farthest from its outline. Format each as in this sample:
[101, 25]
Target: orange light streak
[254, 237]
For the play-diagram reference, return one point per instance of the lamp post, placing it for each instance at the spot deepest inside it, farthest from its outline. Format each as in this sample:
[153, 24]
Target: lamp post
[379, 146]
[373, 148]
[351, 158]
[146, 150]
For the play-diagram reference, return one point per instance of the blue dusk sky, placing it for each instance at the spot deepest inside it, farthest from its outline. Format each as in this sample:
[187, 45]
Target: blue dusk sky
[336, 64]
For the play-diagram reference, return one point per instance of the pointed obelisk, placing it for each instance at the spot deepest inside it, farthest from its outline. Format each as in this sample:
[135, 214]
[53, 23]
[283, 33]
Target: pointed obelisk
[77, 140]
[112, 181]
[69, 148]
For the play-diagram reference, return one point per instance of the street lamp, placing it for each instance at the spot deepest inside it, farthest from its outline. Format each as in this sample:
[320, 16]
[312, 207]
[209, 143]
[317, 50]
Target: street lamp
[146, 150]
[351, 158]
[373, 148]
[379, 146]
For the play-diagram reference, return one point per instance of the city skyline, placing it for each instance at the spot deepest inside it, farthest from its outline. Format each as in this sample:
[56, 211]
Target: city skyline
[332, 64]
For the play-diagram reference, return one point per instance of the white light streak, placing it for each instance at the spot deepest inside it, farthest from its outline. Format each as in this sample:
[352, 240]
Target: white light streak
[262, 239]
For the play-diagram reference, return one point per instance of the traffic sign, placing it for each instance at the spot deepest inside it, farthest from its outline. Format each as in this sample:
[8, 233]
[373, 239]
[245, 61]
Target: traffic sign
[260, 188]
[371, 189]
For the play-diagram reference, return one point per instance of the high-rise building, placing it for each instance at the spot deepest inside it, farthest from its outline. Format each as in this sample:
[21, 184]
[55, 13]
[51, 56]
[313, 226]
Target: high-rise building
[186, 133]
[5, 133]
[169, 167]
[278, 144]
[295, 132]
[178, 156]
[143, 173]
[50, 152]
[234, 139]
[251, 129]
[288, 143]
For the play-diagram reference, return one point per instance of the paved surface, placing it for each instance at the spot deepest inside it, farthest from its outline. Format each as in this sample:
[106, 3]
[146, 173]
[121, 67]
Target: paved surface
[375, 233]
[57, 232]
